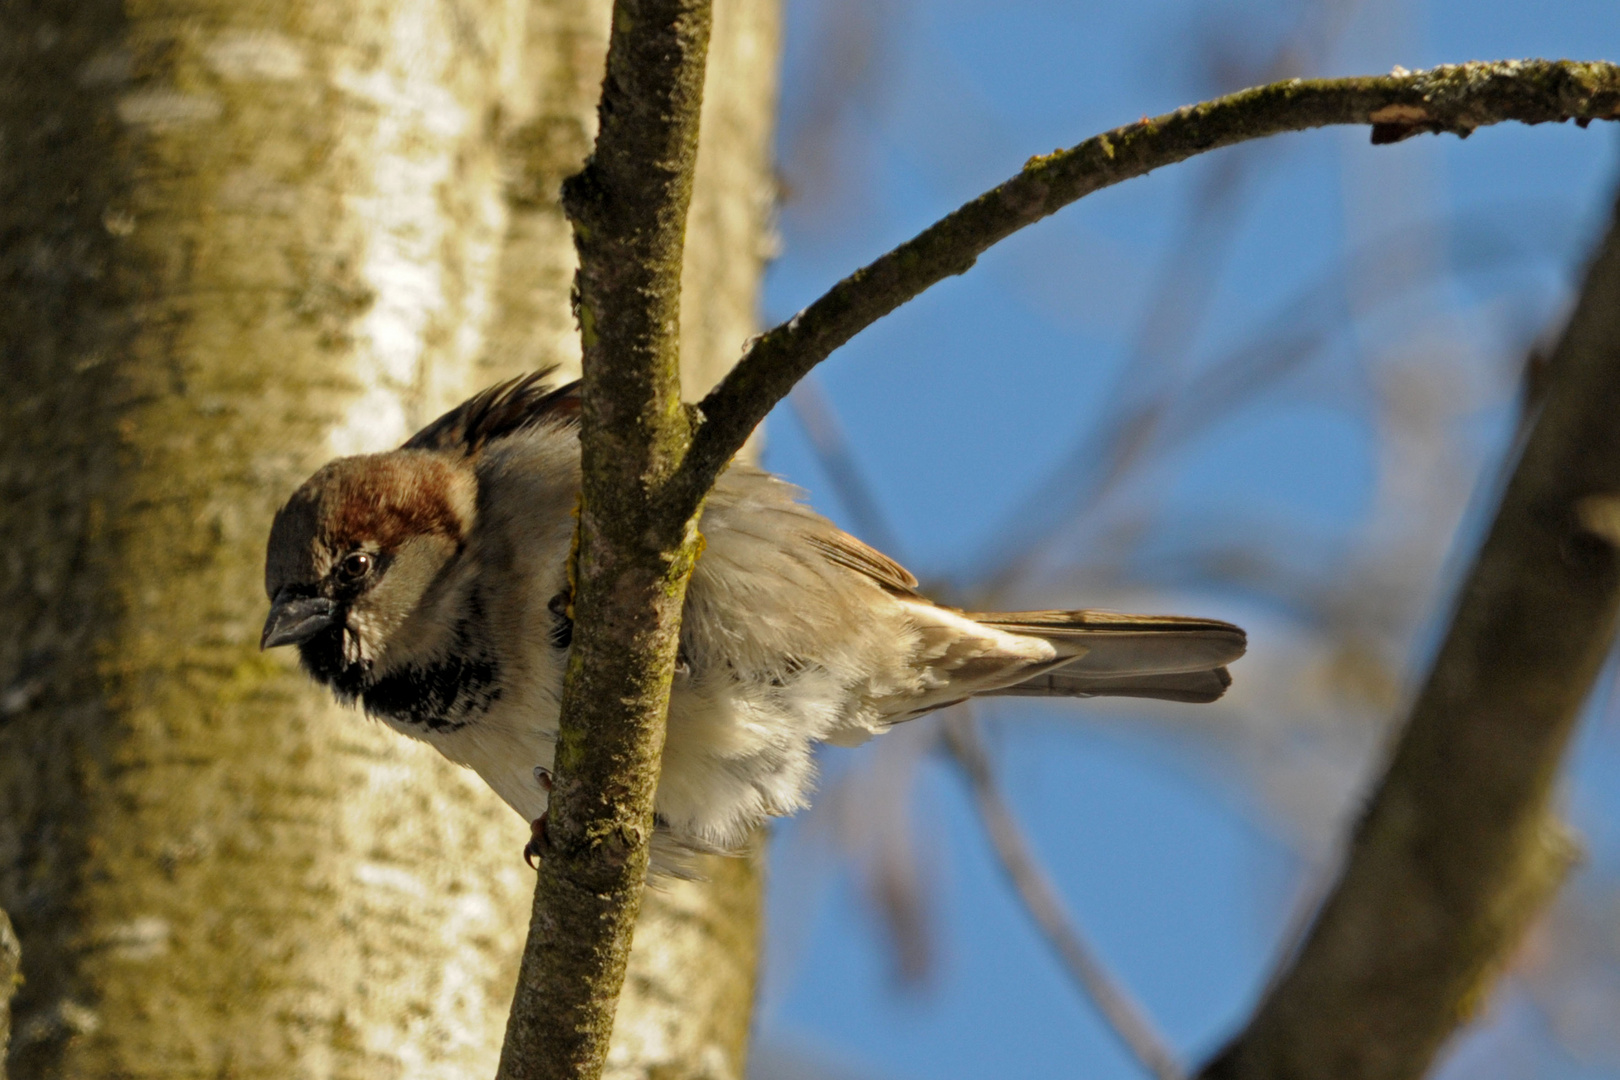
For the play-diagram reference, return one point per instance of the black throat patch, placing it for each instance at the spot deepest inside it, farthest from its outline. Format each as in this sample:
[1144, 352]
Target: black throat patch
[440, 695]
[443, 695]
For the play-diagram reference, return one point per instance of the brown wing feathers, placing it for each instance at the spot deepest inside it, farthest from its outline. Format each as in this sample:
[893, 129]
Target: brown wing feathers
[1169, 657]
[504, 409]
[846, 551]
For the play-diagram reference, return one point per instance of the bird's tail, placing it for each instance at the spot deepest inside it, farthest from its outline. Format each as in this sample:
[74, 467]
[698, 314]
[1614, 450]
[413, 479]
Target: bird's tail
[1103, 653]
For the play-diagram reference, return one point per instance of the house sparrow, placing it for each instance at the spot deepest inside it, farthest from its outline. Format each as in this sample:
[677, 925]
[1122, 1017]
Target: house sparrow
[430, 584]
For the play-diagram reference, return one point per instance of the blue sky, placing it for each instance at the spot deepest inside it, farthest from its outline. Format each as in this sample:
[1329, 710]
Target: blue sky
[959, 405]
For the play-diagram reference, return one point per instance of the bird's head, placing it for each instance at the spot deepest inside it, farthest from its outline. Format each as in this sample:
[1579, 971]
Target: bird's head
[355, 552]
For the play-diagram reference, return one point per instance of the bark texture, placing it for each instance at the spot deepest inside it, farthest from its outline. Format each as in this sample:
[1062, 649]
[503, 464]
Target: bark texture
[235, 240]
[636, 545]
[10, 965]
[686, 1002]
[1458, 850]
[232, 248]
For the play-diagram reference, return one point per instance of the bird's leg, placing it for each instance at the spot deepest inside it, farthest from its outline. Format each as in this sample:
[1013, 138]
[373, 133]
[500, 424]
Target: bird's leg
[535, 848]
[562, 611]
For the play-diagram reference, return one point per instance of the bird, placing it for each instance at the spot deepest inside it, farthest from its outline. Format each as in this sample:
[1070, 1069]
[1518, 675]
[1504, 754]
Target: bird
[430, 585]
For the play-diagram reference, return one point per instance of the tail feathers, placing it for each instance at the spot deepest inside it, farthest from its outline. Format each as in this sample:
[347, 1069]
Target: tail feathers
[1191, 687]
[1169, 657]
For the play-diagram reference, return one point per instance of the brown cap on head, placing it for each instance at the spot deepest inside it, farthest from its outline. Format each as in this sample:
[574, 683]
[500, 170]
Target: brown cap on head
[377, 501]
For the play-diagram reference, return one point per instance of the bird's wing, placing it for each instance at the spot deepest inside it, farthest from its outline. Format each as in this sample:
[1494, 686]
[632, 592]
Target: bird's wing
[504, 409]
[841, 548]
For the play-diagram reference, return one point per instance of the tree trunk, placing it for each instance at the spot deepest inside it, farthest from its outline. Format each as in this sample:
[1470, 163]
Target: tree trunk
[10, 960]
[231, 250]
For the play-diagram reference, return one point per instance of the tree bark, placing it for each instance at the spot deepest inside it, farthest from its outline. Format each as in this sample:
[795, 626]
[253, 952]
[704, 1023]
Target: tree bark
[687, 1000]
[10, 962]
[229, 251]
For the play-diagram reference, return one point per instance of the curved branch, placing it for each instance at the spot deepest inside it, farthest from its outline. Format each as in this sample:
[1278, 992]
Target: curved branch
[1456, 98]
[1458, 848]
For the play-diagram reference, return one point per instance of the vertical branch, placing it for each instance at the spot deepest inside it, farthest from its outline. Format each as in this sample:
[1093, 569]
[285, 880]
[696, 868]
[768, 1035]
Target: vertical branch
[637, 545]
[1458, 848]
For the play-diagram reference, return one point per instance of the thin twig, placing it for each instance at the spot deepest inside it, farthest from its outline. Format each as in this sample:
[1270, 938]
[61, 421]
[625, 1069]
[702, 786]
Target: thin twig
[1457, 98]
[1122, 1014]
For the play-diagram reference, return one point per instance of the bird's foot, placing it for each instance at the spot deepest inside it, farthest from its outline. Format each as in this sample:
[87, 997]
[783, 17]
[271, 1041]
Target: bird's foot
[562, 611]
[542, 776]
[535, 849]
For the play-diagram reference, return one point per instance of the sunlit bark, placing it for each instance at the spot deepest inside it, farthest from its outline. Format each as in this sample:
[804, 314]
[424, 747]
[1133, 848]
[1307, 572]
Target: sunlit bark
[236, 240]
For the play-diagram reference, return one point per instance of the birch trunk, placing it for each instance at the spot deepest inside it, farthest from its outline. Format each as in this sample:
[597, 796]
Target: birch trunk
[10, 959]
[237, 239]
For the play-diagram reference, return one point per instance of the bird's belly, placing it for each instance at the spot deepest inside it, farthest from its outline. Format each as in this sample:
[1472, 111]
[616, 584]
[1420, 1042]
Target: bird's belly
[504, 744]
[739, 751]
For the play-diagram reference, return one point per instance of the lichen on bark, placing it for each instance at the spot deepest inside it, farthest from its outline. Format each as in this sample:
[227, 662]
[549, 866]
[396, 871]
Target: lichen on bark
[238, 239]
[637, 545]
[244, 239]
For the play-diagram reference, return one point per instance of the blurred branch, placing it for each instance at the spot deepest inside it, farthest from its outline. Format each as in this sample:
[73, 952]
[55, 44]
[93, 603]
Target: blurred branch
[852, 42]
[1099, 463]
[1040, 899]
[10, 965]
[637, 541]
[1458, 848]
[1456, 98]
[1029, 879]
[820, 424]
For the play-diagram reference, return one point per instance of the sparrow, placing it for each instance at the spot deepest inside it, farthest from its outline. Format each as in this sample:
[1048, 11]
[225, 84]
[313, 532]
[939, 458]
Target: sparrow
[430, 585]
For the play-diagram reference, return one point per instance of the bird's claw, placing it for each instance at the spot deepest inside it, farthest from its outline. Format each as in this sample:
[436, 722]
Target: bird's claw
[542, 776]
[534, 850]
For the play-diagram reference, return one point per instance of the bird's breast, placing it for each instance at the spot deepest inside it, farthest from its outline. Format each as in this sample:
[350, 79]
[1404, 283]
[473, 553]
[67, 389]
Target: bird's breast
[437, 696]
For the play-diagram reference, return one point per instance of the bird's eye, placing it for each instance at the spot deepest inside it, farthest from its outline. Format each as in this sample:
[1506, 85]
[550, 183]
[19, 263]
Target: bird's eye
[355, 565]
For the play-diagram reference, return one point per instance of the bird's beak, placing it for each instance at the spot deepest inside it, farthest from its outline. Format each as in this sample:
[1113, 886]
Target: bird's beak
[295, 619]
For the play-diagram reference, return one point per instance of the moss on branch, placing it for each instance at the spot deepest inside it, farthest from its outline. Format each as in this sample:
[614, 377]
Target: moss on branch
[1457, 98]
[636, 550]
